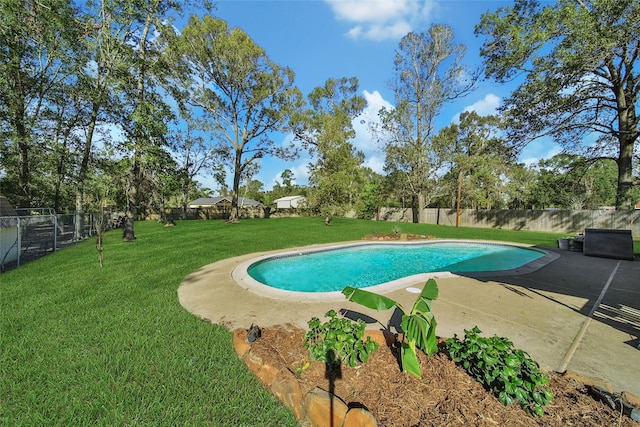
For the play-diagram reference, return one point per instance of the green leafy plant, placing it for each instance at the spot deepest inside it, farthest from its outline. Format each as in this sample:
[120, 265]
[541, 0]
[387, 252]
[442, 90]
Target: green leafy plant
[418, 325]
[338, 340]
[508, 372]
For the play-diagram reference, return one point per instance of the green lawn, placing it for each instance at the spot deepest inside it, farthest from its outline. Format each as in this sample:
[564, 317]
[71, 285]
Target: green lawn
[82, 345]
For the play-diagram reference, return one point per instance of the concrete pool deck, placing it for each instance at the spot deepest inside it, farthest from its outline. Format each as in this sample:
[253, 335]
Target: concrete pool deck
[577, 313]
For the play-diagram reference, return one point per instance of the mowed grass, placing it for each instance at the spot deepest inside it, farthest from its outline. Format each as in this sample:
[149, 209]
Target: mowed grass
[84, 345]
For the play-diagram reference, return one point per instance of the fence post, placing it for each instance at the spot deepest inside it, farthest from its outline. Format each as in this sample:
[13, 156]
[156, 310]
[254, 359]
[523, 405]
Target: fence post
[19, 248]
[55, 233]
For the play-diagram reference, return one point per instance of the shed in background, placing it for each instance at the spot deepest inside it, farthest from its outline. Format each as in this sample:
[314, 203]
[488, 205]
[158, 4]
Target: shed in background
[290, 202]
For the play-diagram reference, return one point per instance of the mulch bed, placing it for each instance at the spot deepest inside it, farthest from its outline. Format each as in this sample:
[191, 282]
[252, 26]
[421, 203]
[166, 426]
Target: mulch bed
[446, 395]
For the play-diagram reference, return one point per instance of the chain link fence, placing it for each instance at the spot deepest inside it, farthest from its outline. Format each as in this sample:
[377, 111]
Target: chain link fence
[34, 233]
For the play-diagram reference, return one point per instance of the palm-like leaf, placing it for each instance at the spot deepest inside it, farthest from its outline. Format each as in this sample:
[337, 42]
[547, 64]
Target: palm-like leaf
[430, 290]
[410, 359]
[369, 299]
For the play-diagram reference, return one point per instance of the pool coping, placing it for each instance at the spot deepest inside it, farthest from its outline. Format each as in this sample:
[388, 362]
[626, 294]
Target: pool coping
[242, 278]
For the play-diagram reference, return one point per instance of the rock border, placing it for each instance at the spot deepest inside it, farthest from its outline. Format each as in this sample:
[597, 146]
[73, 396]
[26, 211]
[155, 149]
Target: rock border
[318, 407]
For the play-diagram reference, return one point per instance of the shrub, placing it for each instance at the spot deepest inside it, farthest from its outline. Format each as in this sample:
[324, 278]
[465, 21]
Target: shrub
[509, 373]
[338, 339]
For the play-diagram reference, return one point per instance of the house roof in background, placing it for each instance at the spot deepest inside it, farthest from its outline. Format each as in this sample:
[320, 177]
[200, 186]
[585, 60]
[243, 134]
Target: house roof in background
[212, 201]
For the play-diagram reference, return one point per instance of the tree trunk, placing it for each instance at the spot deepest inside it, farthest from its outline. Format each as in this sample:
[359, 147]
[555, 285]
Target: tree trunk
[24, 173]
[460, 176]
[422, 204]
[128, 234]
[627, 140]
[414, 210]
[234, 216]
[184, 209]
[627, 136]
[625, 174]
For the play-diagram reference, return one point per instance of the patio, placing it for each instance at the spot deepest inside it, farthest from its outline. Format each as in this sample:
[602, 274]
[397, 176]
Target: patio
[577, 313]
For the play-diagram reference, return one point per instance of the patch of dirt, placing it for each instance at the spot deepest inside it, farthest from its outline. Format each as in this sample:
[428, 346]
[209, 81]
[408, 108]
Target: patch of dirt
[446, 394]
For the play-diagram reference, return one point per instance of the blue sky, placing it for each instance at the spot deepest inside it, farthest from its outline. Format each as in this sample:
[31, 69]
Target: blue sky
[320, 39]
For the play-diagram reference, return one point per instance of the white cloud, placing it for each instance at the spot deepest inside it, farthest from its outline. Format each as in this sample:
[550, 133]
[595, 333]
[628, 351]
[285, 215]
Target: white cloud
[375, 101]
[381, 19]
[537, 150]
[300, 173]
[355, 32]
[484, 107]
[371, 10]
[395, 30]
[375, 163]
[364, 140]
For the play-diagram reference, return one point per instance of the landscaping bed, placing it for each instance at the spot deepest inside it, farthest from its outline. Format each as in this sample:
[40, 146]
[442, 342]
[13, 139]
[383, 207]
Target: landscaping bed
[446, 394]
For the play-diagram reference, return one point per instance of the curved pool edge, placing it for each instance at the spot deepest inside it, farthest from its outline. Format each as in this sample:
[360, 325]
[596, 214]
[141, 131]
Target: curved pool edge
[242, 278]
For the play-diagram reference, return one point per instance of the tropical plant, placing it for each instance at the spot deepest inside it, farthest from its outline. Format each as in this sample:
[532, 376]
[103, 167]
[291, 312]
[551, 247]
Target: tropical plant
[338, 340]
[418, 325]
[508, 372]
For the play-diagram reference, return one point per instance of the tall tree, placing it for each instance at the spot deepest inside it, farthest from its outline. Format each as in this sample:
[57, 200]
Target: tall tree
[288, 179]
[325, 128]
[66, 115]
[573, 182]
[244, 94]
[253, 190]
[428, 73]
[520, 187]
[141, 108]
[37, 54]
[110, 31]
[580, 61]
[193, 157]
[479, 159]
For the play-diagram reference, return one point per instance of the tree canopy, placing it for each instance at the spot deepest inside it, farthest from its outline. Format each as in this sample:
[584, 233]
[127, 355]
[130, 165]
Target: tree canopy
[245, 95]
[325, 128]
[479, 159]
[579, 60]
[428, 73]
[37, 58]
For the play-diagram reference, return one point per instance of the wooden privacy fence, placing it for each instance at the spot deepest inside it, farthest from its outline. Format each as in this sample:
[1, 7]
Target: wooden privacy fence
[560, 221]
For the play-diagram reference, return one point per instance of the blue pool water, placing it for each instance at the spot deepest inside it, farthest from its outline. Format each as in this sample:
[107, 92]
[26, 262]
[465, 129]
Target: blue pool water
[369, 265]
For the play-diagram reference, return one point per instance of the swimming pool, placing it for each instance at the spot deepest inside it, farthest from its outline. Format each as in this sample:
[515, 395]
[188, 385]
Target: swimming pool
[366, 265]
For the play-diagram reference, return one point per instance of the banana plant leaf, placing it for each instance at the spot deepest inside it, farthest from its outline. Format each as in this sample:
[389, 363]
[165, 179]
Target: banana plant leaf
[369, 299]
[410, 359]
[430, 290]
[432, 340]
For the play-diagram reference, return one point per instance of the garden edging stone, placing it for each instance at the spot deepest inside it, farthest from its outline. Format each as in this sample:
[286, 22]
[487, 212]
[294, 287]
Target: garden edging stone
[318, 407]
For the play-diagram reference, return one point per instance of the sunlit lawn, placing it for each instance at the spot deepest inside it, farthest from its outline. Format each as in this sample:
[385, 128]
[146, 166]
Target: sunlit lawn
[84, 345]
